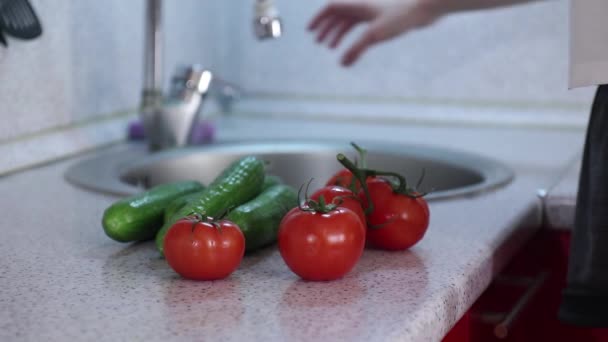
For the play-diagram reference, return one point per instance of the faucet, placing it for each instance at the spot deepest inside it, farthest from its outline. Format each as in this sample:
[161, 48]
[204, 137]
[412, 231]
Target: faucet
[168, 120]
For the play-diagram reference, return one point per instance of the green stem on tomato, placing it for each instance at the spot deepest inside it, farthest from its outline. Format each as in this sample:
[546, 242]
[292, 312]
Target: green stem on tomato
[362, 157]
[300, 196]
[362, 154]
[401, 188]
[320, 206]
[197, 218]
[421, 179]
[361, 176]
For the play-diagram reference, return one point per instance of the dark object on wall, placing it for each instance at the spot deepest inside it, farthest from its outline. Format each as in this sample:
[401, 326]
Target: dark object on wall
[18, 19]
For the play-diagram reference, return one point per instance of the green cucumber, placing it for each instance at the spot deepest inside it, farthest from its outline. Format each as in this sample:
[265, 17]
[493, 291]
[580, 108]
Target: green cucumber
[239, 183]
[259, 218]
[271, 180]
[179, 203]
[139, 217]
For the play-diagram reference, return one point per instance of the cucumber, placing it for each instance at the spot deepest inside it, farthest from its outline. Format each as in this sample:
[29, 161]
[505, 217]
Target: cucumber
[179, 203]
[239, 183]
[139, 217]
[271, 180]
[259, 218]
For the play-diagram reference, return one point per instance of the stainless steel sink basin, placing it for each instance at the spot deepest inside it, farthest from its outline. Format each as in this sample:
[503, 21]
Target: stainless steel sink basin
[130, 169]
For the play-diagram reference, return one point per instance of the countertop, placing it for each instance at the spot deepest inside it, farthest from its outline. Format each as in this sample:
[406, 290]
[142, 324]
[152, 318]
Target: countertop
[62, 279]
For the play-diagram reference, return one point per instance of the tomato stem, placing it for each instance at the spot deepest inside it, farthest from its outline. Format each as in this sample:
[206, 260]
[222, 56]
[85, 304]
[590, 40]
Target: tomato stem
[363, 173]
[421, 178]
[320, 206]
[401, 187]
[361, 176]
[197, 218]
[378, 226]
[362, 154]
[299, 198]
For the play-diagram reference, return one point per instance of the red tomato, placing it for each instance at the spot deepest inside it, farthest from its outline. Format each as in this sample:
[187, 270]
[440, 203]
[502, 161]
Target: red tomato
[401, 220]
[321, 246]
[349, 200]
[204, 250]
[343, 178]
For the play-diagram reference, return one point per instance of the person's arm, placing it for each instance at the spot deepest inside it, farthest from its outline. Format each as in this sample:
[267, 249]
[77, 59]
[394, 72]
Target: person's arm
[387, 19]
[468, 5]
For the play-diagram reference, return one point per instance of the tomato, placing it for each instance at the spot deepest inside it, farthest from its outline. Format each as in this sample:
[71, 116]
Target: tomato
[321, 246]
[343, 178]
[398, 221]
[204, 250]
[348, 199]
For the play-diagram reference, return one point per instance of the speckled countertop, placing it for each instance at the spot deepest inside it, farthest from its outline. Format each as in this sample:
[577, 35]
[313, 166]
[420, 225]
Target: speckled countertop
[62, 279]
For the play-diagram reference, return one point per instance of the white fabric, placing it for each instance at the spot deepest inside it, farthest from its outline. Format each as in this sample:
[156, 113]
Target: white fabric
[588, 42]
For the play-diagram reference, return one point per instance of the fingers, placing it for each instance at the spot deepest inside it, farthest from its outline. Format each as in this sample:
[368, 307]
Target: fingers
[327, 26]
[339, 18]
[341, 31]
[333, 31]
[368, 38]
[316, 21]
[354, 10]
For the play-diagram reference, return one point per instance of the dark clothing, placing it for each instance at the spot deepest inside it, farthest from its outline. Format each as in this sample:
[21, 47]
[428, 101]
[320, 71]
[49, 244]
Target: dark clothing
[585, 299]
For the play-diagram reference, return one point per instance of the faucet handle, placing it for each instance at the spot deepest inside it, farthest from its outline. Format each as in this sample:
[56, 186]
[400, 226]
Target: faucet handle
[190, 81]
[195, 80]
[225, 93]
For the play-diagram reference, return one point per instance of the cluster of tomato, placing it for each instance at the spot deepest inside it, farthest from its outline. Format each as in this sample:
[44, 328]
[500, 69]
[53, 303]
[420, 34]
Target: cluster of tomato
[320, 239]
[324, 238]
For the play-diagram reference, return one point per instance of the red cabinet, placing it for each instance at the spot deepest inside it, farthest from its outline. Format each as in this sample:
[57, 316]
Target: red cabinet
[522, 302]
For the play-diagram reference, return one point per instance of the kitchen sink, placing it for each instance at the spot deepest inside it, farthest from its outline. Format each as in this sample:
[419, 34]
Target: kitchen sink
[130, 169]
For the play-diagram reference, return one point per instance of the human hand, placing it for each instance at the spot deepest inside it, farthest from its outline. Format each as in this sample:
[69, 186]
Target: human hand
[387, 19]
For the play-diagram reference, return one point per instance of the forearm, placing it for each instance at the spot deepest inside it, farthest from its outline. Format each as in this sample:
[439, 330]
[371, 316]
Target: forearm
[448, 6]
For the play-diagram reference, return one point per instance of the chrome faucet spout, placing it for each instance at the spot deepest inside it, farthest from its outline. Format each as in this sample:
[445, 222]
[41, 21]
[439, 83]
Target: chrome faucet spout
[153, 46]
[267, 24]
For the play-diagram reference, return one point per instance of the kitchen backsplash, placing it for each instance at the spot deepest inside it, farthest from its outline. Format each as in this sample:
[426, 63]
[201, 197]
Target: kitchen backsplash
[513, 58]
[86, 70]
[88, 61]
[70, 89]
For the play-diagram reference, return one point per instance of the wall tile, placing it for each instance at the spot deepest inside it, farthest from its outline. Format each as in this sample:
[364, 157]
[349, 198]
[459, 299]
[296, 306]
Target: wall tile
[518, 54]
[88, 63]
[35, 83]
